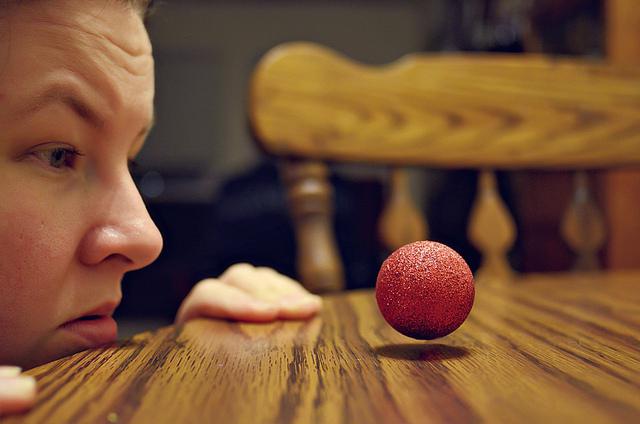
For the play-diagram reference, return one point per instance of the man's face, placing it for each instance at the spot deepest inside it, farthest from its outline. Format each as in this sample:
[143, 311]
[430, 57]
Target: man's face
[76, 103]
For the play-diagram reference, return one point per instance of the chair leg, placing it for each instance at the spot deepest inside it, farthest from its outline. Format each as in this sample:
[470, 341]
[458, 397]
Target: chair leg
[311, 205]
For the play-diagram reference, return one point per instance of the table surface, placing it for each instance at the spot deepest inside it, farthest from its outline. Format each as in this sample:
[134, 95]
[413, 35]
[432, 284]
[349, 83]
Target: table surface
[552, 348]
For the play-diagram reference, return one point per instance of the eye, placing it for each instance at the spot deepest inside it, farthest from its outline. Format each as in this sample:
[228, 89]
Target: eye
[58, 157]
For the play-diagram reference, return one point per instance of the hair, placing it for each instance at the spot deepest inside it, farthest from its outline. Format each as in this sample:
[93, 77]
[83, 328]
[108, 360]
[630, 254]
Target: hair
[142, 7]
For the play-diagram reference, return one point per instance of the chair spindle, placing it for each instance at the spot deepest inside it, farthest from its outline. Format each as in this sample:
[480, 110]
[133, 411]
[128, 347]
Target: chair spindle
[582, 226]
[401, 222]
[491, 230]
[311, 203]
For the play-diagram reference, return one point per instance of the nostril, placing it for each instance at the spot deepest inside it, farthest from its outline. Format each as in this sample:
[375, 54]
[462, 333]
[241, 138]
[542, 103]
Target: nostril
[118, 257]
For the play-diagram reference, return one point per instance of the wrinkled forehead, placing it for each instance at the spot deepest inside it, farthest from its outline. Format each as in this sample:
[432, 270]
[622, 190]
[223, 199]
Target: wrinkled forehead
[102, 41]
[111, 20]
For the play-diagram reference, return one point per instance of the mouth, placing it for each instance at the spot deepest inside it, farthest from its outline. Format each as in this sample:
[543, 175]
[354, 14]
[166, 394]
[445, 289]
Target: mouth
[89, 318]
[95, 328]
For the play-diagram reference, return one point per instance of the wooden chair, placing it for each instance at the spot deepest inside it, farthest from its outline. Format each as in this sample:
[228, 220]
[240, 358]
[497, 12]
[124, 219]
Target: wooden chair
[310, 105]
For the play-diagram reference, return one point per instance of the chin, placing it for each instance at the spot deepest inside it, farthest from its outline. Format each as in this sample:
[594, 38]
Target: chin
[45, 356]
[57, 348]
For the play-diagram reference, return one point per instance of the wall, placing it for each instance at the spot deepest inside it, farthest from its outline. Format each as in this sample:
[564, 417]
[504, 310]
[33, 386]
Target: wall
[205, 52]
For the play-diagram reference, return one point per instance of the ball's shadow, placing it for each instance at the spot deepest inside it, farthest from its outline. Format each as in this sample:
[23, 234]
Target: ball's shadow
[421, 351]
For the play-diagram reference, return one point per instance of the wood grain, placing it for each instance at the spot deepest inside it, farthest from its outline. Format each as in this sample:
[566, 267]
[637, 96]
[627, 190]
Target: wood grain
[478, 111]
[523, 355]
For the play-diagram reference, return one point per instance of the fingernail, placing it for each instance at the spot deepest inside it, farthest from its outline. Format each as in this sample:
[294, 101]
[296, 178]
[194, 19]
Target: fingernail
[18, 387]
[9, 371]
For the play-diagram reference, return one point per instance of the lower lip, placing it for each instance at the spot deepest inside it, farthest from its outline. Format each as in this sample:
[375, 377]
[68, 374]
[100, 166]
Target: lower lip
[96, 332]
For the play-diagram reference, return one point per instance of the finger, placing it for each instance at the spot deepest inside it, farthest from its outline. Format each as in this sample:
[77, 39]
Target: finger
[299, 307]
[263, 283]
[17, 394]
[282, 283]
[246, 278]
[294, 302]
[213, 299]
[266, 284]
[9, 371]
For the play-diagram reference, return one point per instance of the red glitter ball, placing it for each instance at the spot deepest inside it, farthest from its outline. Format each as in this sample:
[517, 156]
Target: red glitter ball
[425, 290]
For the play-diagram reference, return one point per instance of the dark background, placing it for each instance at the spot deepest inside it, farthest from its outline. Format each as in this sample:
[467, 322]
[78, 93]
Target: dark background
[218, 200]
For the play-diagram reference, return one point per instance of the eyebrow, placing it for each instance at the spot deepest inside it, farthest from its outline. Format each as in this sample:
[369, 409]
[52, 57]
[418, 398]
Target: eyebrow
[68, 97]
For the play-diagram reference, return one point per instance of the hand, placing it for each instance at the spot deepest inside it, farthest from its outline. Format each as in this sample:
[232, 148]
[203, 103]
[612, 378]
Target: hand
[17, 392]
[247, 293]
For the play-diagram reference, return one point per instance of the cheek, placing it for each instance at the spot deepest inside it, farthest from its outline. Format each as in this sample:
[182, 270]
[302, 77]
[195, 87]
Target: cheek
[36, 256]
[34, 241]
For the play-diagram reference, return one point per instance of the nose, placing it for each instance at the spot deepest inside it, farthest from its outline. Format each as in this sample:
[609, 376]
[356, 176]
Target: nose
[122, 234]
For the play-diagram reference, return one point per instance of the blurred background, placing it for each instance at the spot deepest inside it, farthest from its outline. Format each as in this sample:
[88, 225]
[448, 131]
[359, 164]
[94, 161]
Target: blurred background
[217, 198]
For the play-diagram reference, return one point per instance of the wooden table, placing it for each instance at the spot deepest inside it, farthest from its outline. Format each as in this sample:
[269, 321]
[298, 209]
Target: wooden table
[544, 349]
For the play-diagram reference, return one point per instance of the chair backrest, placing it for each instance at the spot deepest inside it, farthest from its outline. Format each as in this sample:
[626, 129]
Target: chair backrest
[310, 105]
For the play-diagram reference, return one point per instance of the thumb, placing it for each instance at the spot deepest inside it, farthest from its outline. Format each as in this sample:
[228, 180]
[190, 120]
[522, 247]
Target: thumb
[17, 393]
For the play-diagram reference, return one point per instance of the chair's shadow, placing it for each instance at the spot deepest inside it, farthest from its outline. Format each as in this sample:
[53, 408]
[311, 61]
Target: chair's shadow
[421, 351]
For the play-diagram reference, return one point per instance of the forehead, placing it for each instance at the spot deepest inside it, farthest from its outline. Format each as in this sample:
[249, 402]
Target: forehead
[101, 43]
